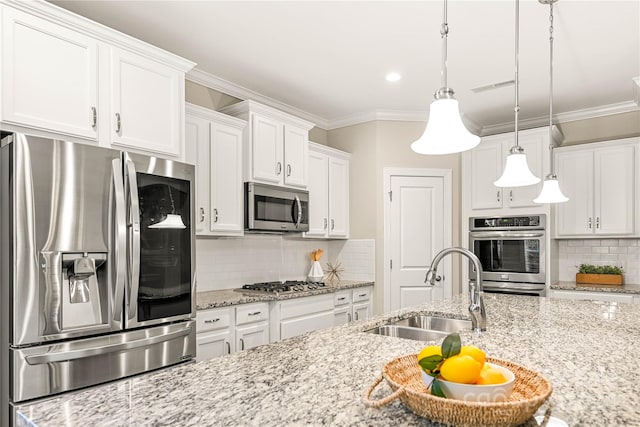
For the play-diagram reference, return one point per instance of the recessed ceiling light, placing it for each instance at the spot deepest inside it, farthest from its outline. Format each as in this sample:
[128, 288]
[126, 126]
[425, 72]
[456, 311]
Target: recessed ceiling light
[393, 77]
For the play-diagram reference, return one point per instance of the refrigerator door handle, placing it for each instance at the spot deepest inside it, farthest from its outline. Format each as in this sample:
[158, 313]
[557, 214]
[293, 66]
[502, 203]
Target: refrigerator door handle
[66, 355]
[120, 223]
[134, 242]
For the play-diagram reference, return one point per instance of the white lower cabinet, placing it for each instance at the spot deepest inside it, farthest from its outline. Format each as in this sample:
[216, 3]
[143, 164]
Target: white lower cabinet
[301, 315]
[352, 305]
[250, 336]
[595, 296]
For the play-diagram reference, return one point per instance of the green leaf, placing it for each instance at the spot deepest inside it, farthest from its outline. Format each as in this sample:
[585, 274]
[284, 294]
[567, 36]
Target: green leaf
[436, 390]
[451, 345]
[430, 363]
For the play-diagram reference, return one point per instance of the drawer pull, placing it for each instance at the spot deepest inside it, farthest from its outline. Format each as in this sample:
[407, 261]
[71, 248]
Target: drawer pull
[362, 295]
[255, 313]
[342, 298]
[212, 320]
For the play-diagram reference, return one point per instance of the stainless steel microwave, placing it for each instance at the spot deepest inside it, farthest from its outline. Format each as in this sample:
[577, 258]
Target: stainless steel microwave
[271, 208]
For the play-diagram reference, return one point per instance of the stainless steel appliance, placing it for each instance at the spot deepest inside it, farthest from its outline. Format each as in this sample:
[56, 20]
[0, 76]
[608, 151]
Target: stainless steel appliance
[278, 288]
[512, 253]
[98, 266]
[271, 208]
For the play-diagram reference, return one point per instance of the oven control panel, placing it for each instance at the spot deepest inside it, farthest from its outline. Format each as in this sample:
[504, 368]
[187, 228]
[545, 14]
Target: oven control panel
[507, 222]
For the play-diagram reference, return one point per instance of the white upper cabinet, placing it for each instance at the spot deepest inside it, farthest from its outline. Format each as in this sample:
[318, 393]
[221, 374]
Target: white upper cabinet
[146, 99]
[214, 145]
[328, 192]
[276, 145]
[600, 181]
[484, 164]
[64, 75]
[49, 76]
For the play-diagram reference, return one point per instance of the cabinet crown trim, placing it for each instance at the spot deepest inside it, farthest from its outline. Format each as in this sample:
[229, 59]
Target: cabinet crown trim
[324, 149]
[75, 22]
[250, 106]
[208, 114]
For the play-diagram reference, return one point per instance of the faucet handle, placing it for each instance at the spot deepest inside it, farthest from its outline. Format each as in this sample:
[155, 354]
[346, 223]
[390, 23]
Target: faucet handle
[432, 277]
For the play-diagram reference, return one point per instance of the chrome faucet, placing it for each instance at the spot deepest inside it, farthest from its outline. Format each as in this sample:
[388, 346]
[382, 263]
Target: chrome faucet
[476, 306]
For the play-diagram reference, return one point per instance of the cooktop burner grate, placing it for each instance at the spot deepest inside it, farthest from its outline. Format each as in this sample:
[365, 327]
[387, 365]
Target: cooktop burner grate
[282, 287]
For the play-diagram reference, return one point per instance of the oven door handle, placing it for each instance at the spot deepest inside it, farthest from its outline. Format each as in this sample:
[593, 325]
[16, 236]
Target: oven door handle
[504, 235]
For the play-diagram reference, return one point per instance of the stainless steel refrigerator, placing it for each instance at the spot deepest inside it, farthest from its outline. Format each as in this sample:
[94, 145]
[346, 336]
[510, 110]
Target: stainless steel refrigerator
[97, 266]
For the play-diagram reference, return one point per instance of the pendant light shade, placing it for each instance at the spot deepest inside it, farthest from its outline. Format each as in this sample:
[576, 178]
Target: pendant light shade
[171, 221]
[516, 171]
[551, 192]
[445, 133]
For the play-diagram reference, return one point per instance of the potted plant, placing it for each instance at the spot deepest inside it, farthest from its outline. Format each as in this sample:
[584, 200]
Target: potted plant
[599, 275]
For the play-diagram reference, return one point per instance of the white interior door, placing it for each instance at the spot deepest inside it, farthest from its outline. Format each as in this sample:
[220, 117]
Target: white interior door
[416, 234]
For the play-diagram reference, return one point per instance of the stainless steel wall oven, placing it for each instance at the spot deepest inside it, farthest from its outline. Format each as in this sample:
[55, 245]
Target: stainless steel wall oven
[512, 253]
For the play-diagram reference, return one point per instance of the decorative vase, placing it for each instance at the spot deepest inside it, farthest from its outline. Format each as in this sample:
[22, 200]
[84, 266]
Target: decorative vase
[315, 273]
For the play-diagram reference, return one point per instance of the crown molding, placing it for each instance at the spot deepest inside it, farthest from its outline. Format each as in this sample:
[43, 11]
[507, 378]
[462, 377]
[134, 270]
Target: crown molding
[214, 82]
[570, 116]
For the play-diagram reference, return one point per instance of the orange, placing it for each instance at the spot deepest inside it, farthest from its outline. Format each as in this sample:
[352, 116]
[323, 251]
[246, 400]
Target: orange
[490, 375]
[461, 369]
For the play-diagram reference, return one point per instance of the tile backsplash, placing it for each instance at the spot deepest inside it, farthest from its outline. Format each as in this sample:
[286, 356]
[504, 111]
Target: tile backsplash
[624, 253]
[223, 263]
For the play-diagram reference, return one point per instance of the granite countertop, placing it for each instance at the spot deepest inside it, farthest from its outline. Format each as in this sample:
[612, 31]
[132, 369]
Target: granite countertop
[627, 288]
[586, 349]
[227, 297]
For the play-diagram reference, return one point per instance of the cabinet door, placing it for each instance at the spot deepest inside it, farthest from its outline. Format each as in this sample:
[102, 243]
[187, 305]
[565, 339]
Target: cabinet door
[49, 76]
[252, 336]
[227, 204]
[296, 152]
[338, 197]
[575, 172]
[318, 195]
[197, 152]
[614, 190]
[486, 167]
[213, 344]
[307, 323]
[362, 311]
[534, 147]
[145, 104]
[342, 315]
[266, 150]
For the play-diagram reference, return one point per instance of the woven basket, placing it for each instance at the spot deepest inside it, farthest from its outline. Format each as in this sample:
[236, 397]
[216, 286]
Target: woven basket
[404, 376]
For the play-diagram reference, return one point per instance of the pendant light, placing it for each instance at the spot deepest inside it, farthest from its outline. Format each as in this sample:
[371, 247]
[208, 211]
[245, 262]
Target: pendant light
[551, 192]
[516, 171]
[445, 133]
[171, 220]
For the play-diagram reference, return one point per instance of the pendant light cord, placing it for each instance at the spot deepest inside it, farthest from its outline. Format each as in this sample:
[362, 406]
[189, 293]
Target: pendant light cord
[517, 107]
[444, 32]
[551, 164]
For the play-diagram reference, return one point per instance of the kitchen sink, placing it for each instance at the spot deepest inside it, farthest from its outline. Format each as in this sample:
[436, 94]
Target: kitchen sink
[422, 328]
[409, 333]
[435, 323]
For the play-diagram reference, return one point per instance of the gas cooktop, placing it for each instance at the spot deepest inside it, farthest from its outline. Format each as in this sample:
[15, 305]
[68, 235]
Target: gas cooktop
[283, 287]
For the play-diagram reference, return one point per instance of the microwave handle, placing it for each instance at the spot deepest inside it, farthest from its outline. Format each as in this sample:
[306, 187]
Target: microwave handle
[504, 235]
[299, 218]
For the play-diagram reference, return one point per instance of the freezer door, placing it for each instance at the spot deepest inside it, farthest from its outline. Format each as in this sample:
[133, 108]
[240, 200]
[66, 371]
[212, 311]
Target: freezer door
[67, 236]
[161, 240]
[47, 370]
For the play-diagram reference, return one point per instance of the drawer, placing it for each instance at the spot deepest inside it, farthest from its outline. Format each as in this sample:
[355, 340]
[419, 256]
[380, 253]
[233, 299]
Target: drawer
[342, 298]
[362, 294]
[210, 320]
[307, 305]
[249, 313]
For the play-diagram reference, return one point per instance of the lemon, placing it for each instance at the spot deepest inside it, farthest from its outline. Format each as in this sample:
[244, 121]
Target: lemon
[474, 352]
[490, 375]
[429, 351]
[461, 369]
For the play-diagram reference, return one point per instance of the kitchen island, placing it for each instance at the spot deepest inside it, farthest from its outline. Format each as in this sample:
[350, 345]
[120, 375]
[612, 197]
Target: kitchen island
[588, 350]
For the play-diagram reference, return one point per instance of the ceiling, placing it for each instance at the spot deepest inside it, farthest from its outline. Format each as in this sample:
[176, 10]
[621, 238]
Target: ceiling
[329, 59]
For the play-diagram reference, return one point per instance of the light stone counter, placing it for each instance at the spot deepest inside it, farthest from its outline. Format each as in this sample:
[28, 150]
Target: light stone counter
[627, 288]
[226, 297]
[588, 350]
